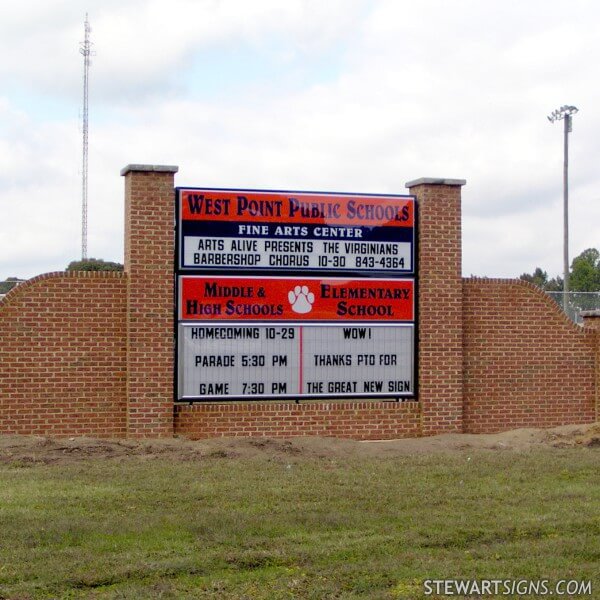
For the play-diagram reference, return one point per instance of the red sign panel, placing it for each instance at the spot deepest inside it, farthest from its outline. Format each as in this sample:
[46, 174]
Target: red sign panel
[295, 208]
[300, 299]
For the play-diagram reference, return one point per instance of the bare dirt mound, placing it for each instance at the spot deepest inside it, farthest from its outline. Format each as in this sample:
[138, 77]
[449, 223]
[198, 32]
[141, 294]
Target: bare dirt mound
[30, 450]
[575, 436]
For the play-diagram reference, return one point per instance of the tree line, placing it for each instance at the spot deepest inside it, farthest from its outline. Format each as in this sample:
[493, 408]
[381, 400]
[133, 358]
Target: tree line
[584, 275]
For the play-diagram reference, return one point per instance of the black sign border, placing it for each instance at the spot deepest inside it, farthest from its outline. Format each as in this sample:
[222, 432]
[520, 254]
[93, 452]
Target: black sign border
[178, 272]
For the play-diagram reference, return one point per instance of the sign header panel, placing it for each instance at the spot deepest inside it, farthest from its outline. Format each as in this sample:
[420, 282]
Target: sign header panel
[295, 299]
[237, 230]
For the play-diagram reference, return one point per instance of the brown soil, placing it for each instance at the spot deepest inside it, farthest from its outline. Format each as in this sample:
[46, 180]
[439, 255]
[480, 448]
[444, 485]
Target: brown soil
[44, 450]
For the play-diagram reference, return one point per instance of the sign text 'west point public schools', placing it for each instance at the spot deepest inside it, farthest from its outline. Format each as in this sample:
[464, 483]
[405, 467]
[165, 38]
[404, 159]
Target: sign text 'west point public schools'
[312, 324]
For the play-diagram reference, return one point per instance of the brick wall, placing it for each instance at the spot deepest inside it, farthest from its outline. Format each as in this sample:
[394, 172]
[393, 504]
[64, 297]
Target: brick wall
[357, 420]
[525, 363]
[591, 320]
[92, 353]
[62, 355]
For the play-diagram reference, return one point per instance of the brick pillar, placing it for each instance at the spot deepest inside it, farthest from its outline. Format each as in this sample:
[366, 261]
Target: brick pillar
[440, 347]
[591, 320]
[149, 264]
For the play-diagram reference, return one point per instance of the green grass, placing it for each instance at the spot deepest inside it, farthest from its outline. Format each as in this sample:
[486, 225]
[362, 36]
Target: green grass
[298, 528]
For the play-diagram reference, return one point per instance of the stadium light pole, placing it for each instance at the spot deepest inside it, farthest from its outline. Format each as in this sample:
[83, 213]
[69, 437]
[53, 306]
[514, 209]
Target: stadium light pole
[565, 113]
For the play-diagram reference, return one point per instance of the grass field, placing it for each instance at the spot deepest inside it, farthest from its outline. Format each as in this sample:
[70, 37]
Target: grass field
[290, 525]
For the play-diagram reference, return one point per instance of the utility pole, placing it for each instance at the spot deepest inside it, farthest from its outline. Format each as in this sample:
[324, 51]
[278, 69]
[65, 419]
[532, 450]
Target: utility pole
[85, 49]
[565, 113]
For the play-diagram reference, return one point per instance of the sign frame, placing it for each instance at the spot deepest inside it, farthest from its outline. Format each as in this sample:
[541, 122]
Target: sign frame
[223, 272]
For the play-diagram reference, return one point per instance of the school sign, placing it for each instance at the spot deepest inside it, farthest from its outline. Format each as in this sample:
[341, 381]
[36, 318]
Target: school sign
[285, 295]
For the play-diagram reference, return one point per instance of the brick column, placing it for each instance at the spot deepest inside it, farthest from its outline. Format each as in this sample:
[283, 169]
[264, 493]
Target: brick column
[149, 264]
[440, 304]
[591, 320]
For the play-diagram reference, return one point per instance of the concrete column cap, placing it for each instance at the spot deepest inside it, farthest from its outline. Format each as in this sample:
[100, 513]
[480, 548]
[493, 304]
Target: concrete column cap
[435, 181]
[149, 168]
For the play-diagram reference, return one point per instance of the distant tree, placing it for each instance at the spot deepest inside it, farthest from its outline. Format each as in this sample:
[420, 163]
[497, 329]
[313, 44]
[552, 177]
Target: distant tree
[94, 264]
[9, 283]
[585, 272]
[584, 275]
[556, 284]
[539, 278]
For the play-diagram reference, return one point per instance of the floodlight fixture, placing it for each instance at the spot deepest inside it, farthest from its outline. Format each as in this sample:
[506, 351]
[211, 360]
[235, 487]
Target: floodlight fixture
[564, 112]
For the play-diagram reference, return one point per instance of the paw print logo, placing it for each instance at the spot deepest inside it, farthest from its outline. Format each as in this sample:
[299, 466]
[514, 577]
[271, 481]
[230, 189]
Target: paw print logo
[301, 299]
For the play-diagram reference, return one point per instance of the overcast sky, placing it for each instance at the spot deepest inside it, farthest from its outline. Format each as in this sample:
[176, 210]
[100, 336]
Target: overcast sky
[340, 95]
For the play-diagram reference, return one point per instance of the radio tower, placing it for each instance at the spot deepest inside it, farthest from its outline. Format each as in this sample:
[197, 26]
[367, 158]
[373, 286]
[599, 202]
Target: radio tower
[85, 49]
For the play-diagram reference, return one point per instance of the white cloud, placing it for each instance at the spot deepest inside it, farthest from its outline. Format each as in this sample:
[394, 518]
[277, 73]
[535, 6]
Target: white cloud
[38, 193]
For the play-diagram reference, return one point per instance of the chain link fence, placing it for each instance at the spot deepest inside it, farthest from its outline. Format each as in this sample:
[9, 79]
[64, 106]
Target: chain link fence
[576, 302]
